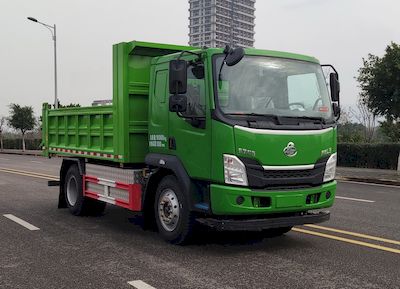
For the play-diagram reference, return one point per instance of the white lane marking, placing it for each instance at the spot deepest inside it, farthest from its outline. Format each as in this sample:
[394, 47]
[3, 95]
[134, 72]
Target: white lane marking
[354, 199]
[21, 222]
[4, 159]
[36, 162]
[368, 184]
[139, 284]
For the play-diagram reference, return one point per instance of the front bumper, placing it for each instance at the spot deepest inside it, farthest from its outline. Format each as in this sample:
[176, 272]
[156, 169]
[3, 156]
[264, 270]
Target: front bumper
[224, 200]
[263, 224]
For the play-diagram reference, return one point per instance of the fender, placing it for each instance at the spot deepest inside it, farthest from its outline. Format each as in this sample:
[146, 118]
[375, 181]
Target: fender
[66, 163]
[173, 163]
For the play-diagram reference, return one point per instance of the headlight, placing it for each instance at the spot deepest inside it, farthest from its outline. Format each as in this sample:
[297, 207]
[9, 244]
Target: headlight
[330, 169]
[234, 171]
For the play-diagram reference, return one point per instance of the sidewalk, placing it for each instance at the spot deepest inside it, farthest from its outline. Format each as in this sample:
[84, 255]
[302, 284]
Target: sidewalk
[386, 177]
[20, 152]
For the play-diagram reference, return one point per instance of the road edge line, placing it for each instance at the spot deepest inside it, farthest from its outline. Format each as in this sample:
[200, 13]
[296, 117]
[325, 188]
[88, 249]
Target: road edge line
[360, 235]
[346, 240]
[30, 175]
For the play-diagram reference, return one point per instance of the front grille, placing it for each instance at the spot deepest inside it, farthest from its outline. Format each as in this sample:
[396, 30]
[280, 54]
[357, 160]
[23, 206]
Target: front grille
[279, 174]
[259, 178]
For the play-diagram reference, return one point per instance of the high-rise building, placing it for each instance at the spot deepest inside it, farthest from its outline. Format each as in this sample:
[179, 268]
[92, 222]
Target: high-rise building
[216, 23]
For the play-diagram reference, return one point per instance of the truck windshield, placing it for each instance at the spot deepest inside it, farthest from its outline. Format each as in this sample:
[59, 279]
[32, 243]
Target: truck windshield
[265, 86]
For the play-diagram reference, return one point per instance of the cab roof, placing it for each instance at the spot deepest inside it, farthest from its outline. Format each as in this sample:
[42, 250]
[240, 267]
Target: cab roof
[162, 49]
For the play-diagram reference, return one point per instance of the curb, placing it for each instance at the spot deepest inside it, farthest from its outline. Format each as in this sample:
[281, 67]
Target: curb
[21, 153]
[370, 181]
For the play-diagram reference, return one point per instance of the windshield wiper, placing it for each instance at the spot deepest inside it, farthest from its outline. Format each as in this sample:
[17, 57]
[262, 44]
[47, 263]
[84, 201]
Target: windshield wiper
[314, 118]
[276, 118]
[251, 113]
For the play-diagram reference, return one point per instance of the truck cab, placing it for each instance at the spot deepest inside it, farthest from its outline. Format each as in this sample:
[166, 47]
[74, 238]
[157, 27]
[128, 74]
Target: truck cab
[259, 135]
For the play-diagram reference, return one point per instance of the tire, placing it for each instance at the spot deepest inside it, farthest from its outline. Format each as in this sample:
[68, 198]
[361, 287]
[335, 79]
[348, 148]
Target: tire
[276, 232]
[77, 204]
[173, 217]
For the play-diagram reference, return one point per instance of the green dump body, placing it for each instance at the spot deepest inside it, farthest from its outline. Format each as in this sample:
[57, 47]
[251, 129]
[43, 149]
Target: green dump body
[117, 132]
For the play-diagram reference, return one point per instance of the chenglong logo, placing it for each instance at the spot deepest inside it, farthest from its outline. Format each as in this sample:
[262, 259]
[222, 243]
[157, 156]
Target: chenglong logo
[290, 150]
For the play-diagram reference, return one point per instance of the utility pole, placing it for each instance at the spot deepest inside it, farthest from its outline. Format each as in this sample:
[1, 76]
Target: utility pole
[52, 30]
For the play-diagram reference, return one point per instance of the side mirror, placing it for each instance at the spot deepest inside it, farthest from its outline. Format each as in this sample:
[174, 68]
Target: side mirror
[177, 103]
[335, 86]
[177, 77]
[234, 56]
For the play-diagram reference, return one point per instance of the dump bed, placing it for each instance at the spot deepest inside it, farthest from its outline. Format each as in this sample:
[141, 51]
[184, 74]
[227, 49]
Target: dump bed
[116, 132]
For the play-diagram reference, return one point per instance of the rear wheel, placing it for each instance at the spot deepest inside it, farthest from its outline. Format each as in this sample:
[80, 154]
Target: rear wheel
[73, 188]
[172, 210]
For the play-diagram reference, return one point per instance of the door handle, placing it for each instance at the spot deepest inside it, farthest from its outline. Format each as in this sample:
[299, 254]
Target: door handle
[172, 143]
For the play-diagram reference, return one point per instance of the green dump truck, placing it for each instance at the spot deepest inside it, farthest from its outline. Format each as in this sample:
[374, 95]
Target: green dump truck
[234, 139]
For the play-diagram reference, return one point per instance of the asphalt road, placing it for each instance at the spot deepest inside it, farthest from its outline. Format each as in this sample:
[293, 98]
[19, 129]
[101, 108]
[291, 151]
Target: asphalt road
[112, 250]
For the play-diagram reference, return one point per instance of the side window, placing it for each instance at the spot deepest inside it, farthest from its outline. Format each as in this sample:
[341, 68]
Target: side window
[304, 89]
[195, 95]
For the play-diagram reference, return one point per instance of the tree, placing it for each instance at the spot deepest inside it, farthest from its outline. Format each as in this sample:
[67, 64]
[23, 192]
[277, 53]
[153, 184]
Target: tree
[2, 124]
[367, 118]
[391, 130]
[345, 116]
[350, 132]
[22, 119]
[379, 80]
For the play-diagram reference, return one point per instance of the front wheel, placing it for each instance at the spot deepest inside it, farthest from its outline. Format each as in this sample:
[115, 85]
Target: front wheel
[172, 211]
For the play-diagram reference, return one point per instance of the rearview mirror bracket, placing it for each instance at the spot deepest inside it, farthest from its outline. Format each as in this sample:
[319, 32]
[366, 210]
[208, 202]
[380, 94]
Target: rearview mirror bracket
[335, 90]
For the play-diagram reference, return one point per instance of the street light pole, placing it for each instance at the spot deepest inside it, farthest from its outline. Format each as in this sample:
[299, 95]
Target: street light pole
[52, 30]
[55, 69]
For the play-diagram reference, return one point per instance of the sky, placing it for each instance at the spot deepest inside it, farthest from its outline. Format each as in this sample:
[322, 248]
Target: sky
[339, 32]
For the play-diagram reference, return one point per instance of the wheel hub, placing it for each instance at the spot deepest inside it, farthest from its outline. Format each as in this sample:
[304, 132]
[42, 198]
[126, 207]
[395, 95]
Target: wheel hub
[168, 210]
[72, 191]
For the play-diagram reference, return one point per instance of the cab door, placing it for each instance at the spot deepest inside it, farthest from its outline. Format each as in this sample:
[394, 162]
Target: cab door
[190, 132]
[159, 112]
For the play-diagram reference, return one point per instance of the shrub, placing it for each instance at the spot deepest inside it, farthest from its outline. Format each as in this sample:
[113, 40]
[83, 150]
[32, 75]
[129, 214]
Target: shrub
[31, 144]
[376, 156]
